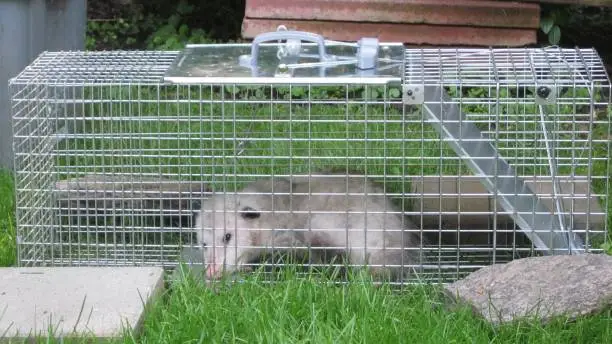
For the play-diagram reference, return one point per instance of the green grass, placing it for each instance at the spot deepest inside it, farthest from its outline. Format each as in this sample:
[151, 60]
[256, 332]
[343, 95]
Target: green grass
[300, 310]
[307, 310]
[7, 219]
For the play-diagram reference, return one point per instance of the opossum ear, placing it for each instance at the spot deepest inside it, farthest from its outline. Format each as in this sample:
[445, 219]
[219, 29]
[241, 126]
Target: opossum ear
[250, 213]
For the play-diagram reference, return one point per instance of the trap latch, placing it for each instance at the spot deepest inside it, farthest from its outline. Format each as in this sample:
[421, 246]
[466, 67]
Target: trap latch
[290, 53]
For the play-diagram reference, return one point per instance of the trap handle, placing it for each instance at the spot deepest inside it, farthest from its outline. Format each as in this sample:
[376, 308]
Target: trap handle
[293, 39]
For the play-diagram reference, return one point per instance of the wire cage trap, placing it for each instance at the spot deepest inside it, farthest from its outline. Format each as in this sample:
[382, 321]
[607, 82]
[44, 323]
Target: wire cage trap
[494, 154]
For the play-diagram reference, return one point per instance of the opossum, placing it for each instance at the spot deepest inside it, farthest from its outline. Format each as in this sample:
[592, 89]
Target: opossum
[353, 215]
[301, 221]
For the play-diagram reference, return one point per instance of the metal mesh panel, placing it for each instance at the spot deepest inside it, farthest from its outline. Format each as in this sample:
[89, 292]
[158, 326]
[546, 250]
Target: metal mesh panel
[98, 67]
[112, 163]
[34, 166]
[506, 67]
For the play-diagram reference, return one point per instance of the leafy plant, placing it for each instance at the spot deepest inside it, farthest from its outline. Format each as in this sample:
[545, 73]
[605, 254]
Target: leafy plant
[119, 27]
[174, 34]
[111, 34]
[551, 22]
[170, 37]
[162, 25]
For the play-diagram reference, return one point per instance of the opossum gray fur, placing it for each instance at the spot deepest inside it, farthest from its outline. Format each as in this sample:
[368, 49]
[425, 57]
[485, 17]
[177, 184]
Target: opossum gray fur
[301, 219]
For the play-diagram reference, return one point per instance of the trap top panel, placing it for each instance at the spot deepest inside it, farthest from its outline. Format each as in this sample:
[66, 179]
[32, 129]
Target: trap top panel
[82, 68]
[509, 67]
[234, 63]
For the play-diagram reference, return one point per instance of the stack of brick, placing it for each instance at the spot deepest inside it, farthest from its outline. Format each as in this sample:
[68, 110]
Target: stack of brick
[424, 22]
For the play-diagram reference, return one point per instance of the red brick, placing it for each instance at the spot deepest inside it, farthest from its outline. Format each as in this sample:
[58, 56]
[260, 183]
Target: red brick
[444, 12]
[605, 3]
[406, 33]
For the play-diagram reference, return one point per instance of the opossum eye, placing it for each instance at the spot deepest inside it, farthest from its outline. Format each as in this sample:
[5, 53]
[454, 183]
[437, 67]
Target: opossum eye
[227, 237]
[250, 213]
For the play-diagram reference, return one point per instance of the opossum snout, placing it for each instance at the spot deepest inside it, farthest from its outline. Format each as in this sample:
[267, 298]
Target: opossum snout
[214, 270]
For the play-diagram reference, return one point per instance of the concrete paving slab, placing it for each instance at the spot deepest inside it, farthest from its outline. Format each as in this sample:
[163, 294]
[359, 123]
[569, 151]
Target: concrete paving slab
[92, 301]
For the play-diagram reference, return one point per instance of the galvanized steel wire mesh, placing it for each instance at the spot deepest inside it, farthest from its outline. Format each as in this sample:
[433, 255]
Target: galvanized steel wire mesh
[151, 150]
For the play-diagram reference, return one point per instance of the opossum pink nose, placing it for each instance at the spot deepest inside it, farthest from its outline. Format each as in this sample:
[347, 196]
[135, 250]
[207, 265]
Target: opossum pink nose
[213, 270]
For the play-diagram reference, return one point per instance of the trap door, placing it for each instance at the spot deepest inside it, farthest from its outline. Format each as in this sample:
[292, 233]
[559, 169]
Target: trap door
[431, 74]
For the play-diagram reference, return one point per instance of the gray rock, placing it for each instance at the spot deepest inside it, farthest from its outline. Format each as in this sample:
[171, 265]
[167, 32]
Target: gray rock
[542, 287]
